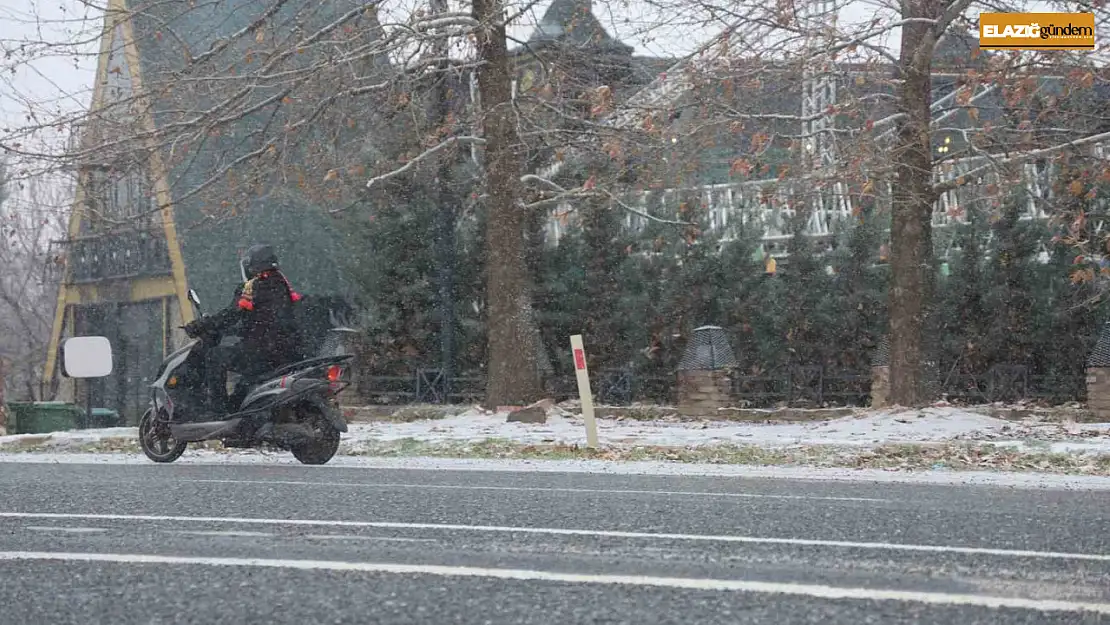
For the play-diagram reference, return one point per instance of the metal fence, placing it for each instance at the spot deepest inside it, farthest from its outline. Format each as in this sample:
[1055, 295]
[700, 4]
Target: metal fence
[790, 386]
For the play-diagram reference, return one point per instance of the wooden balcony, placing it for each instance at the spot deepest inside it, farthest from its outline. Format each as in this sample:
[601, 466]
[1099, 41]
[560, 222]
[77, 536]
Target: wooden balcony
[116, 255]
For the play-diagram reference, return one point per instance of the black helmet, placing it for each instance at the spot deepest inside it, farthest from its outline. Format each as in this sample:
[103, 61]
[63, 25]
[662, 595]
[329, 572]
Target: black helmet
[259, 258]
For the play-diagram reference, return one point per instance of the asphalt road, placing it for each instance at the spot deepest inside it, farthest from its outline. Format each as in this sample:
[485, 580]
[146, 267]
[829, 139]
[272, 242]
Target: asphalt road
[289, 544]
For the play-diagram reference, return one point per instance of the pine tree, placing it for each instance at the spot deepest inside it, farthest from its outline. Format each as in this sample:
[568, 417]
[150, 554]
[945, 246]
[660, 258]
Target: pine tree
[962, 310]
[1071, 305]
[856, 303]
[742, 276]
[1069, 317]
[397, 286]
[604, 250]
[669, 273]
[643, 274]
[1011, 286]
[562, 296]
[804, 286]
[469, 293]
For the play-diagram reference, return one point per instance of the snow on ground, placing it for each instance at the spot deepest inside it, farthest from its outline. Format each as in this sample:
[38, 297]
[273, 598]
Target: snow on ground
[72, 438]
[868, 428]
[865, 429]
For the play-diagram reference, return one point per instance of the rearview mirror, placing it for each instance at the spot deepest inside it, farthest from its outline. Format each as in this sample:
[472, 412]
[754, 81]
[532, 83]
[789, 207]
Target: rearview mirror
[87, 357]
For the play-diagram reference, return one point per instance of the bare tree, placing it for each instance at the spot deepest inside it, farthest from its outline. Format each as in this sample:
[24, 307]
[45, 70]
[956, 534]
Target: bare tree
[31, 216]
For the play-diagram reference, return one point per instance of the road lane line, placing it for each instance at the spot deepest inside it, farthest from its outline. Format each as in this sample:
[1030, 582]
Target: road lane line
[806, 590]
[65, 530]
[224, 533]
[393, 539]
[552, 531]
[610, 491]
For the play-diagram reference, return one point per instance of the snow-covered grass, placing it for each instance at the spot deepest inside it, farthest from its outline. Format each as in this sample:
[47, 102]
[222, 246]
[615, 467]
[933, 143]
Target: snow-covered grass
[938, 437]
[74, 440]
[865, 429]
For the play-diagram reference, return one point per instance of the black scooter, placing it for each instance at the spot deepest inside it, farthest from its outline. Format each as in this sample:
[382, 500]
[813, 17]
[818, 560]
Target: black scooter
[293, 408]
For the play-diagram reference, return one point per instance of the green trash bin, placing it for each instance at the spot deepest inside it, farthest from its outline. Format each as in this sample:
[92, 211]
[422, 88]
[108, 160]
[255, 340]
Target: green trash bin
[41, 417]
[105, 418]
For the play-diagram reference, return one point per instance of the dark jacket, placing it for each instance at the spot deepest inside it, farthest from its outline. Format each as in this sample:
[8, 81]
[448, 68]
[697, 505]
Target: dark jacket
[262, 315]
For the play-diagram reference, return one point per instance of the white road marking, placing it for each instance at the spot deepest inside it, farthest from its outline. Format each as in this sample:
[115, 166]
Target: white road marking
[551, 531]
[805, 590]
[395, 539]
[612, 491]
[67, 530]
[225, 533]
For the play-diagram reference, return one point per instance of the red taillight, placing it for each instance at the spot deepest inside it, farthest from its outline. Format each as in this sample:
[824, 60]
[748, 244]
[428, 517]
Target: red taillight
[334, 372]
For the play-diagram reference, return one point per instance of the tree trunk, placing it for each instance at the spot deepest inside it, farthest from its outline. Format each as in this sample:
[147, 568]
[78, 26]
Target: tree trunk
[911, 236]
[513, 371]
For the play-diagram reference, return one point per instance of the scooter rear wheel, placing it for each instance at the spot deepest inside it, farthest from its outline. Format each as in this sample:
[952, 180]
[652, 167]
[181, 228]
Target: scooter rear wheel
[326, 441]
[156, 441]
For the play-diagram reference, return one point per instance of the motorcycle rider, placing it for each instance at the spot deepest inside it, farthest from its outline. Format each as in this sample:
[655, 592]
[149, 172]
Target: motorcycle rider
[262, 314]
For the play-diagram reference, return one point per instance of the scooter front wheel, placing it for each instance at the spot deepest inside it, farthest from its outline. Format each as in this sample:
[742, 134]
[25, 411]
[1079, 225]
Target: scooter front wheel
[157, 442]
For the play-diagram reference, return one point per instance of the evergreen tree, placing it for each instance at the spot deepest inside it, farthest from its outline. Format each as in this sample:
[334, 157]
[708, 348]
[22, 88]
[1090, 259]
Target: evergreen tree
[397, 286]
[643, 274]
[469, 291]
[673, 258]
[637, 296]
[1069, 317]
[562, 296]
[803, 285]
[743, 277]
[605, 244]
[395, 272]
[962, 308]
[1071, 305]
[856, 303]
[1011, 287]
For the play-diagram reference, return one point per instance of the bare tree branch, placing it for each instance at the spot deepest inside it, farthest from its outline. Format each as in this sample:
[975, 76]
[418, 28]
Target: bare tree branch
[1021, 157]
[422, 156]
[582, 192]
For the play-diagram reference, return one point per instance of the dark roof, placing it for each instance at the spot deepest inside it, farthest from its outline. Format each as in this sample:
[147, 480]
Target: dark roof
[882, 353]
[307, 239]
[708, 350]
[573, 22]
[1100, 356]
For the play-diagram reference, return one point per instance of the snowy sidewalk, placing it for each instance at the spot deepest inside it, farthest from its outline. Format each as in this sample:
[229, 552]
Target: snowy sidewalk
[931, 437]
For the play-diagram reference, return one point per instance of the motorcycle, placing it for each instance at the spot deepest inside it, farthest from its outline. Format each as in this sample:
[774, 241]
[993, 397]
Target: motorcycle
[293, 408]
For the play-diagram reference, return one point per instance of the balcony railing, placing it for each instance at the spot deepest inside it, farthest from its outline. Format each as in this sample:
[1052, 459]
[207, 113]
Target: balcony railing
[116, 255]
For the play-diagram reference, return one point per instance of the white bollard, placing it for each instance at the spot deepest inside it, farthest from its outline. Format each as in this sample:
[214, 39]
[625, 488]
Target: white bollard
[584, 392]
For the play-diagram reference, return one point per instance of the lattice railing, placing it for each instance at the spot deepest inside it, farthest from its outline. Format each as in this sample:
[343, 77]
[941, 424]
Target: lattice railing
[768, 205]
